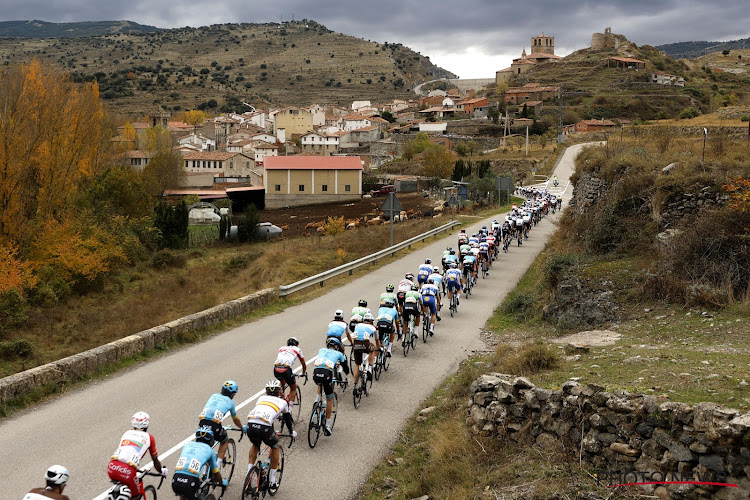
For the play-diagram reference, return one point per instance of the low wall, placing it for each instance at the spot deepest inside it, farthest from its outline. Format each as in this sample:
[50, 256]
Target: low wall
[274, 201]
[77, 365]
[629, 437]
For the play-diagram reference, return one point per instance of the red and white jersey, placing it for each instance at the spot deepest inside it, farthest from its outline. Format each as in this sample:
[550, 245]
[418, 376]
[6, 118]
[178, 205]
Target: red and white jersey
[133, 447]
[288, 354]
[267, 409]
[491, 240]
[405, 285]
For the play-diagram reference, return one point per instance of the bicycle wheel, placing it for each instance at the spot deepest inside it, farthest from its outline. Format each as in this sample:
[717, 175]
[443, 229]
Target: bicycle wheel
[150, 493]
[313, 428]
[297, 410]
[386, 358]
[425, 329]
[358, 389]
[204, 480]
[335, 409]
[230, 457]
[377, 369]
[251, 486]
[279, 473]
[414, 338]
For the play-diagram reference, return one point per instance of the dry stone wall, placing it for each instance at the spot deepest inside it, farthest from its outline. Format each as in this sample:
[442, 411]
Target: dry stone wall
[73, 367]
[624, 435]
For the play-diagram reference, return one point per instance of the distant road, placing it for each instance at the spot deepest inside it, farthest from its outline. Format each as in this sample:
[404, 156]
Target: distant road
[80, 428]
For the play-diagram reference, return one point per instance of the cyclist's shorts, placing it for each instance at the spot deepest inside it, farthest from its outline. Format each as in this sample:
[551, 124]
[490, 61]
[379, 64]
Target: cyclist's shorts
[485, 255]
[430, 302]
[422, 279]
[410, 309]
[186, 486]
[260, 433]
[284, 373]
[361, 347]
[400, 296]
[324, 377]
[385, 328]
[454, 285]
[220, 434]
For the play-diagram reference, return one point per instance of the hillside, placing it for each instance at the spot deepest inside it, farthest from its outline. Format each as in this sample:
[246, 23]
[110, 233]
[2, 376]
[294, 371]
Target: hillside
[692, 50]
[594, 91]
[44, 29]
[297, 63]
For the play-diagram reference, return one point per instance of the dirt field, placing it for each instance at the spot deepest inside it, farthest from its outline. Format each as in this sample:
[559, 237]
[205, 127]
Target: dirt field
[297, 218]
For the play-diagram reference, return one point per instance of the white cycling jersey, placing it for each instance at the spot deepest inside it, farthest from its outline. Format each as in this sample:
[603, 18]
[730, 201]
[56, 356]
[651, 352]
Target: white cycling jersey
[288, 354]
[404, 285]
[134, 445]
[267, 409]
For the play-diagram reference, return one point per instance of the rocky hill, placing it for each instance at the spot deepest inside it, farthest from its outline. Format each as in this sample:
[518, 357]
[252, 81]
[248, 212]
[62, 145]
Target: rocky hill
[692, 50]
[294, 63]
[44, 29]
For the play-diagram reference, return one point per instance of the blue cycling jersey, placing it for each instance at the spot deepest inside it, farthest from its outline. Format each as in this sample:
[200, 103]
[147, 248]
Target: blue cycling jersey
[453, 275]
[388, 314]
[193, 457]
[336, 329]
[451, 258]
[429, 291]
[327, 358]
[364, 331]
[216, 408]
[424, 270]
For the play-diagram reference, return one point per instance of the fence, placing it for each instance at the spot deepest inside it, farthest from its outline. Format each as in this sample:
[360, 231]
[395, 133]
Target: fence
[285, 290]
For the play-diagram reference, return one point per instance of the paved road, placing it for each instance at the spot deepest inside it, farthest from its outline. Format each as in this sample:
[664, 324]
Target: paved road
[80, 429]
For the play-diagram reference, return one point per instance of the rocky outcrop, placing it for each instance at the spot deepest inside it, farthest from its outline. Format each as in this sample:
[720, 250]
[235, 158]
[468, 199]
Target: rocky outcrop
[587, 191]
[627, 435]
[689, 204]
[76, 366]
[578, 303]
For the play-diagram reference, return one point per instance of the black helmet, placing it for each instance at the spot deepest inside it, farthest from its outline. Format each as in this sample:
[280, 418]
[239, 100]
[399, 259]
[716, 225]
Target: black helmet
[415, 287]
[362, 303]
[389, 288]
[292, 341]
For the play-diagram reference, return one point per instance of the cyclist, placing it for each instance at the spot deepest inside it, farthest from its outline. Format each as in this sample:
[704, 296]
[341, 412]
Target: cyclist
[437, 277]
[463, 238]
[216, 408]
[195, 455]
[337, 328]
[555, 181]
[364, 334]
[283, 366]
[431, 302]
[446, 253]
[403, 286]
[484, 252]
[124, 463]
[469, 267]
[424, 271]
[453, 282]
[388, 323]
[387, 295]
[359, 312]
[56, 478]
[411, 307]
[330, 359]
[474, 240]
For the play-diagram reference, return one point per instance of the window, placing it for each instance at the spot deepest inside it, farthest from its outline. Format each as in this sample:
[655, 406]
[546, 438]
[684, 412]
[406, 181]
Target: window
[324, 187]
[231, 164]
[277, 187]
[301, 188]
[347, 187]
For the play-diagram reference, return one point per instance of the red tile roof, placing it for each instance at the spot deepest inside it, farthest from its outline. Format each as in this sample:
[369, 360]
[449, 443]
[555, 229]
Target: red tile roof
[312, 163]
[599, 123]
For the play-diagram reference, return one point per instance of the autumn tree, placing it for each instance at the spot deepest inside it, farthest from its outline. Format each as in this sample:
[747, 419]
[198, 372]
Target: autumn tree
[194, 117]
[164, 169]
[333, 226]
[438, 162]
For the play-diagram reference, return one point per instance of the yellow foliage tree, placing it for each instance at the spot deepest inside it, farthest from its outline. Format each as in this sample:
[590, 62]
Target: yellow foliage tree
[438, 162]
[194, 117]
[14, 273]
[334, 226]
[51, 131]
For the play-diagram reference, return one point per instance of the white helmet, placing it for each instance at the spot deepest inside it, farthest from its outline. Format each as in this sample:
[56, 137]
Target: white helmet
[140, 420]
[119, 492]
[368, 317]
[57, 475]
[436, 269]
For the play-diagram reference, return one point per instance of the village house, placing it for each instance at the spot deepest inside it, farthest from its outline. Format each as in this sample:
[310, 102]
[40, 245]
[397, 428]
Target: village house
[222, 164]
[625, 63]
[137, 159]
[307, 180]
[365, 134]
[430, 101]
[294, 121]
[667, 79]
[476, 108]
[354, 121]
[438, 112]
[320, 142]
[199, 141]
[530, 92]
[433, 127]
[595, 126]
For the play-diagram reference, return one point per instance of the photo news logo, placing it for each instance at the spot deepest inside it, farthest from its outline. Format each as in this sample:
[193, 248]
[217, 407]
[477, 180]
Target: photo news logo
[612, 479]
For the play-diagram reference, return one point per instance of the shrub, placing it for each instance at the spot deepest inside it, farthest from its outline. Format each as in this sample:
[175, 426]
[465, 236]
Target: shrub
[745, 118]
[529, 359]
[13, 308]
[521, 305]
[689, 113]
[556, 266]
[20, 348]
[164, 259]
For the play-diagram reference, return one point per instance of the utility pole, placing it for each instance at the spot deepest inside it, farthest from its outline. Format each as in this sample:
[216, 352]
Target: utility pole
[527, 142]
[560, 116]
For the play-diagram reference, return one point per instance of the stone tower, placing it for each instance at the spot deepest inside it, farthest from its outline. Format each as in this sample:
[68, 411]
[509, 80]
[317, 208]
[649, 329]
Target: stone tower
[543, 44]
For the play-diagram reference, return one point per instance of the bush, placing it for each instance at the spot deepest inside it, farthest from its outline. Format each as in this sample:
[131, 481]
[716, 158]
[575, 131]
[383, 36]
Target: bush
[164, 259]
[13, 309]
[689, 113]
[555, 268]
[745, 118]
[529, 359]
[520, 305]
[20, 348]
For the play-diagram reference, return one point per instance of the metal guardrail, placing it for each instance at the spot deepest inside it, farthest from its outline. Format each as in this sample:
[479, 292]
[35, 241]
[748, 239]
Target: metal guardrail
[285, 290]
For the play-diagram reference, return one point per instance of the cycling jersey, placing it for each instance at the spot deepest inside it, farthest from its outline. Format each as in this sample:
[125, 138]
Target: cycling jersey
[337, 329]
[44, 494]
[453, 279]
[469, 260]
[364, 332]
[388, 314]
[133, 447]
[451, 258]
[404, 285]
[387, 295]
[412, 297]
[462, 238]
[430, 290]
[465, 248]
[193, 457]
[475, 252]
[423, 273]
[484, 247]
[473, 240]
[328, 358]
[267, 409]
[217, 407]
[360, 311]
[288, 354]
[437, 278]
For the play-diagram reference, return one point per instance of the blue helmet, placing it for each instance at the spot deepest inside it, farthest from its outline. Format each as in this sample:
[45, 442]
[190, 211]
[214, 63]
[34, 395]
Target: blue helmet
[333, 343]
[229, 388]
[204, 434]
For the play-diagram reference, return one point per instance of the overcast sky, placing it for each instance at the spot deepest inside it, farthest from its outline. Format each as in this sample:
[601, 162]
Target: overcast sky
[472, 38]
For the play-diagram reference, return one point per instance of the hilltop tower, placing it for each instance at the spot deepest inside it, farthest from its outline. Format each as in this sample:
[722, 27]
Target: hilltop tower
[543, 44]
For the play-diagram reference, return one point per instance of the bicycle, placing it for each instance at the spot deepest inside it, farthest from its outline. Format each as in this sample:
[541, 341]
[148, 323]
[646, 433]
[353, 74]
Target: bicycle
[297, 406]
[484, 268]
[426, 321]
[382, 360]
[454, 303]
[318, 416]
[207, 486]
[361, 382]
[410, 339]
[469, 282]
[149, 490]
[257, 482]
[230, 457]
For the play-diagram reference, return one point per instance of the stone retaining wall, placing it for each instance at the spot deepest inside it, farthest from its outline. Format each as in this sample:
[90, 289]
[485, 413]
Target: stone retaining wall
[78, 365]
[621, 433]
